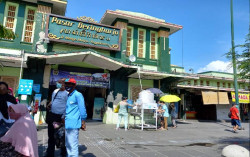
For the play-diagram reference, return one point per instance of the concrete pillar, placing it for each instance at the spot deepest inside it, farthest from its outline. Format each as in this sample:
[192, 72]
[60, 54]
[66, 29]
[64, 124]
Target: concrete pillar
[122, 24]
[164, 53]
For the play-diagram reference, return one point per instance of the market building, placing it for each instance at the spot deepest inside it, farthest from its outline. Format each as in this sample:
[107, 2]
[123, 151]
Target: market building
[122, 54]
[211, 96]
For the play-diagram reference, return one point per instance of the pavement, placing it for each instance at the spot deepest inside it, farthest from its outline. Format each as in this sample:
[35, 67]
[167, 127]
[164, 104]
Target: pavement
[189, 139]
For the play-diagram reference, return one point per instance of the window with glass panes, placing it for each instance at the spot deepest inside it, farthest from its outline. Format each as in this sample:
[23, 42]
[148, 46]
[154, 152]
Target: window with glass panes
[10, 16]
[153, 45]
[29, 24]
[195, 82]
[129, 41]
[224, 85]
[208, 84]
[201, 83]
[141, 44]
[229, 85]
[218, 84]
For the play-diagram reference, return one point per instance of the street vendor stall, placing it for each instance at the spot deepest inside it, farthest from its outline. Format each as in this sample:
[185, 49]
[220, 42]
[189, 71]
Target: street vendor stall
[145, 102]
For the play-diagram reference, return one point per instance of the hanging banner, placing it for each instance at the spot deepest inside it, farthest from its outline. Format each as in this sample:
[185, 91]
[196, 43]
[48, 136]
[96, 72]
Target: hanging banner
[77, 32]
[98, 80]
[244, 98]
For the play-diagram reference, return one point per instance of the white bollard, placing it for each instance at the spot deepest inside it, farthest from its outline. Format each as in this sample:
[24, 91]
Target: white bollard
[235, 151]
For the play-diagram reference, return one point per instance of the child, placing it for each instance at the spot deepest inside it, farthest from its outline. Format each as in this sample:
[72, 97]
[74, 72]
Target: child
[164, 110]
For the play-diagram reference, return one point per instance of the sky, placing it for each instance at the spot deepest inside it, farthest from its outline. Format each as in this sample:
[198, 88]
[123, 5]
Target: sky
[206, 33]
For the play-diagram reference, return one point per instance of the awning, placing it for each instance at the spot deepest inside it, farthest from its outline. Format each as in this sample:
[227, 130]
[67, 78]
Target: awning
[214, 98]
[154, 75]
[11, 61]
[88, 57]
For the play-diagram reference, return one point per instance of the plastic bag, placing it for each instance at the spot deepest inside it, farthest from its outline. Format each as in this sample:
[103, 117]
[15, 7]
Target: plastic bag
[116, 110]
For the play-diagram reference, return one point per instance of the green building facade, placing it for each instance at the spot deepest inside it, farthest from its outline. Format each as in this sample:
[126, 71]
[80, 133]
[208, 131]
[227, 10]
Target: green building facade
[47, 42]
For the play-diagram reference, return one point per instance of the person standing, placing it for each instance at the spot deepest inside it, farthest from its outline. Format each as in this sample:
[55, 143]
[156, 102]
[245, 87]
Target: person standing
[165, 115]
[235, 117]
[75, 117]
[160, 111]
[123, 113]
[5, 101]
[56, 111]
[173, 115]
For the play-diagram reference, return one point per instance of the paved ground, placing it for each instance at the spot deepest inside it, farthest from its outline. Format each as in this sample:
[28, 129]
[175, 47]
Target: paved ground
[189, 139]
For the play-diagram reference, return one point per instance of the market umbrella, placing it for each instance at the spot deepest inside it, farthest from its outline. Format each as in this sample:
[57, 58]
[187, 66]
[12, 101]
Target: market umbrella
[170, 98]
[155, 90]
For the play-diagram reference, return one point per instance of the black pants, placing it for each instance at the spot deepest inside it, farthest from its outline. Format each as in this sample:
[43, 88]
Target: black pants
[51, 142]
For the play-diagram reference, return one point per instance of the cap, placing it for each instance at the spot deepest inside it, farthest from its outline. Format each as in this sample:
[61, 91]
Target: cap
[70, 80]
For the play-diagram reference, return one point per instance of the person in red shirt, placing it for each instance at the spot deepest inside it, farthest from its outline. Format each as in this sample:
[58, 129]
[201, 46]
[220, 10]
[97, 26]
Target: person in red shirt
[235, 117]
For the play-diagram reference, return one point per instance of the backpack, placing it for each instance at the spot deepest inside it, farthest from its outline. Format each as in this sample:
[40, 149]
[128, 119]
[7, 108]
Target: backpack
[229, 114]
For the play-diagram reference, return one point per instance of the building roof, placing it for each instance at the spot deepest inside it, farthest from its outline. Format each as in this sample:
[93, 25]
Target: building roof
[58, 6]
[139, 19]
[210, 72]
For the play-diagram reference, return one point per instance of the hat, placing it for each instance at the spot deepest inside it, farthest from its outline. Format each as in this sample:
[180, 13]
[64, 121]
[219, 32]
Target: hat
[70, 80]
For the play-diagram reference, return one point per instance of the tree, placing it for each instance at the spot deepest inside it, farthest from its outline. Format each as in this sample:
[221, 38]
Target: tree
[242, 59]
[6, 33]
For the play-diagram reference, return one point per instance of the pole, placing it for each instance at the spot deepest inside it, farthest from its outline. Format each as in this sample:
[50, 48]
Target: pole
[234, 59]
[21, 69]
[138, 70]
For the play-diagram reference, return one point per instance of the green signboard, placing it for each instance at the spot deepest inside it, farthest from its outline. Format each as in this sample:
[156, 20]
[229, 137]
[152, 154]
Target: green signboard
[76, 32]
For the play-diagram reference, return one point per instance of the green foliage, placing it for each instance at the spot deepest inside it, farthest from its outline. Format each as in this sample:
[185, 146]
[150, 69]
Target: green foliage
[242, 59]
[243, 62]
[6, 33]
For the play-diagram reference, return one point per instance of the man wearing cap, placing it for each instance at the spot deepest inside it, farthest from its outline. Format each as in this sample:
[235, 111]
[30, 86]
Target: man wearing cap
[74, 118]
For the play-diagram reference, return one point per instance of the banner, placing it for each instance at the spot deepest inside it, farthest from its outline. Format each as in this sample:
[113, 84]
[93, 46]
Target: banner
[77, 32]
[98, 80]
[244, 98]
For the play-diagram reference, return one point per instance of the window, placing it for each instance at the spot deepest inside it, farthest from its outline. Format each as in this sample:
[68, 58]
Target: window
[29, 24]
[10, 16]
[229, 85]
[189, 82]
[208, 83]
[141, 43]
[224, 85]
[201, 82]
[195, 82]
[218, 84]
[153, 45]
[129, 40]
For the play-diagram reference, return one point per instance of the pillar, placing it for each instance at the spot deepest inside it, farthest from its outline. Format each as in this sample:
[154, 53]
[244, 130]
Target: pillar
[164, 53]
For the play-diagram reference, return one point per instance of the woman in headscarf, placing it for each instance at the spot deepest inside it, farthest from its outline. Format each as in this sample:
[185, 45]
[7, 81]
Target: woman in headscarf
[21, 139]
[5, 101]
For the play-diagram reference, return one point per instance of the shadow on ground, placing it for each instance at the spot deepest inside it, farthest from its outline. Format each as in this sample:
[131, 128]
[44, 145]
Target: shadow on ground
[82, 149]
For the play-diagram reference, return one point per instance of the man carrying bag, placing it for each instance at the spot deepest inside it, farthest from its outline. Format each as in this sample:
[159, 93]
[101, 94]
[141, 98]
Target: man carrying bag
[55, 115]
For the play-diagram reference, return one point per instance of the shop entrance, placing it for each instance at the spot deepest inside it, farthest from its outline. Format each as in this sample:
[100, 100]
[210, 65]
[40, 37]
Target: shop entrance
[197, 110]
[92, 83]
[92, 98]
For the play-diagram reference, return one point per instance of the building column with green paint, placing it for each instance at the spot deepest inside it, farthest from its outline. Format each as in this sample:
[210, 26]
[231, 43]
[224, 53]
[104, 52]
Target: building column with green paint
[164, 53]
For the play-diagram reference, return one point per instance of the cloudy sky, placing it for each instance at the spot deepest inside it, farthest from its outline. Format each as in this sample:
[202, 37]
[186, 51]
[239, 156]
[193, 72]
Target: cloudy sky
[206, 34]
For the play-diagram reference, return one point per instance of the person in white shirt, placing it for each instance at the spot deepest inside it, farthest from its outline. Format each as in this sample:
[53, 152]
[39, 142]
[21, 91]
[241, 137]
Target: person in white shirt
[5, 101]
[56, 111]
